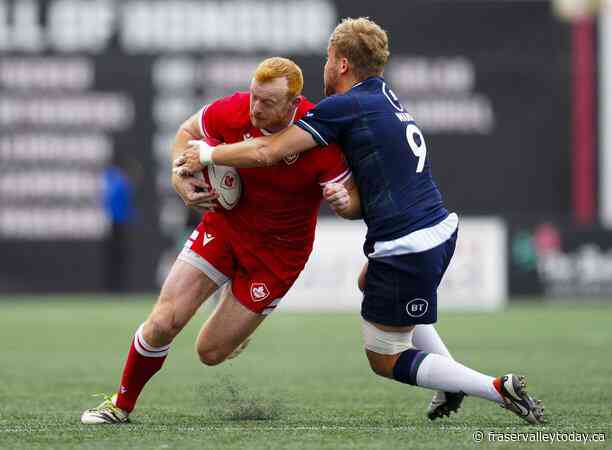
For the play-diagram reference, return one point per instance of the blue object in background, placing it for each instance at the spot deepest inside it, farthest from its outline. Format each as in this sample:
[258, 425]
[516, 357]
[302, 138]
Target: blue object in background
[118, 196]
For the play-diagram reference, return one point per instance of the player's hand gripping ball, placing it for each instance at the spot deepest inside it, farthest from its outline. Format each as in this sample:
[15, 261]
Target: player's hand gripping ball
[224, 180]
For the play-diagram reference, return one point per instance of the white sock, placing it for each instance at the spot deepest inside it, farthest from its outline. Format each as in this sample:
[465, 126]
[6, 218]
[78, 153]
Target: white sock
[442, 373]
[426, 338]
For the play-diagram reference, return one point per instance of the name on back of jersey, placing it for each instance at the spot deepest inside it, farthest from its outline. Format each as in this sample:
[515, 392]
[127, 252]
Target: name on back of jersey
[404, 117]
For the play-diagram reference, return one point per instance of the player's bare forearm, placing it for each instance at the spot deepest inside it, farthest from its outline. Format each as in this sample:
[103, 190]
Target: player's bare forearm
[250, 153]
[188, 131]
[264, 151]
[259, 152]
[193, 191]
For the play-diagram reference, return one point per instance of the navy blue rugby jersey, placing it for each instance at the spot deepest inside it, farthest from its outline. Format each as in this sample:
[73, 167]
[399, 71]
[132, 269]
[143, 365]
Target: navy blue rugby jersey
[387, 154]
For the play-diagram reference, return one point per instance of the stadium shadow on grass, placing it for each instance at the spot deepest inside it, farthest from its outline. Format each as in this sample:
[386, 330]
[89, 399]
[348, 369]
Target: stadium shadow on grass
[231, 401]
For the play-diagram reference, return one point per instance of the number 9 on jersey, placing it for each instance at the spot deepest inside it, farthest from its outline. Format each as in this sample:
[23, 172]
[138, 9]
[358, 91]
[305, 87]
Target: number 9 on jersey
[416, 142]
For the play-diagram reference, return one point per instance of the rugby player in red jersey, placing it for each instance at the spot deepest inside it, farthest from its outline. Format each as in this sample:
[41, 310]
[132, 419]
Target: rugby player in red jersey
[259, 248]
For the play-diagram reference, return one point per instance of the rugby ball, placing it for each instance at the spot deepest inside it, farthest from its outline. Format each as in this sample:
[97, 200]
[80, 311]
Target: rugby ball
[225, 180]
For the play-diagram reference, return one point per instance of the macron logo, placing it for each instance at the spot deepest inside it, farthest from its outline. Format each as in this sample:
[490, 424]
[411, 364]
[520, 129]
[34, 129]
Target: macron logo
[207, 238]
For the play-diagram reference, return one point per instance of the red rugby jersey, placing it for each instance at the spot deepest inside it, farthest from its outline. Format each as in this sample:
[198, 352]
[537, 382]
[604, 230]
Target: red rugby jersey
[280, 202]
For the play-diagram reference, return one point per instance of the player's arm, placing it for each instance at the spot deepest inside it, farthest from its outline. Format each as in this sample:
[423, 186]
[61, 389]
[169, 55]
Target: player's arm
[188, 131]
[260, 152]
[187, 188]
[319, 127]
[344, 199]
[264, 151]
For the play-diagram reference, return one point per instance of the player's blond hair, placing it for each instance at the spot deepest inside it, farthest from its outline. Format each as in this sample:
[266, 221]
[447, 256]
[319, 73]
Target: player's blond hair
[364, 43]
[272, 68]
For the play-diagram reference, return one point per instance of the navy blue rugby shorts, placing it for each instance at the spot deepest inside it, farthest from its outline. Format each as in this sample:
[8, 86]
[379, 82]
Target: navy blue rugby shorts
[402, 290]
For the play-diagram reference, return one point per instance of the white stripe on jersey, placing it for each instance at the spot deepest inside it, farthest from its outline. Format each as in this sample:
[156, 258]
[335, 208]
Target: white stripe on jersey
[419, 240]
[314, 131]
[201, 121]
[339, 179]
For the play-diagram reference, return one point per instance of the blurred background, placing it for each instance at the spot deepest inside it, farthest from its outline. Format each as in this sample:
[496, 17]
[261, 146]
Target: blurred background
[514, 97]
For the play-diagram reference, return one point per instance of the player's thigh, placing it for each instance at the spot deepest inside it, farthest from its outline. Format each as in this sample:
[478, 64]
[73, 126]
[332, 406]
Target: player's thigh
[262, 278]
[229, 325]
[204, 264]
[185, 289]
[183, 292]
[362, 276]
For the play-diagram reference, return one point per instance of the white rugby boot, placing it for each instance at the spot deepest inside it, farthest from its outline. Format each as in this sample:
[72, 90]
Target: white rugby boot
[105, 412]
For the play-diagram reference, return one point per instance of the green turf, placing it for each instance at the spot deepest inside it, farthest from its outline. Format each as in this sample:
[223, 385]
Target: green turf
[303, 382]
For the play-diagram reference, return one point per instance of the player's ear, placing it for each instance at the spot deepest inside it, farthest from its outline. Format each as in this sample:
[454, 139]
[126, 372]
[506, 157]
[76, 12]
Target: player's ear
[296, 102]
[344, 65]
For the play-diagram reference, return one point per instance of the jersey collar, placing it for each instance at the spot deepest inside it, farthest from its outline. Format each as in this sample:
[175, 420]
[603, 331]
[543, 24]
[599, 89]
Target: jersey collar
[366, 81]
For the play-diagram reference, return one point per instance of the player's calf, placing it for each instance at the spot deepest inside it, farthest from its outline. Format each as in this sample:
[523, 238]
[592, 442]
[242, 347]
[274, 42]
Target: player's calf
[184, 291]
[226, 333]
[381, 365]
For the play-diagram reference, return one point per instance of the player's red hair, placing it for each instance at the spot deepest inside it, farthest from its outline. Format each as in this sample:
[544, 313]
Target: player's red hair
[276, 67]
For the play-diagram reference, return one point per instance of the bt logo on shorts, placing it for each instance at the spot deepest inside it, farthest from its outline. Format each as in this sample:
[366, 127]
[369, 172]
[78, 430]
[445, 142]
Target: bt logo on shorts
[417, 307]
[259, 291]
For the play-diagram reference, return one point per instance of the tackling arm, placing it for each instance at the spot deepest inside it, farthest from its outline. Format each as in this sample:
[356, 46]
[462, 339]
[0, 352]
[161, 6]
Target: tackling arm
[264, 151]
[259, 152]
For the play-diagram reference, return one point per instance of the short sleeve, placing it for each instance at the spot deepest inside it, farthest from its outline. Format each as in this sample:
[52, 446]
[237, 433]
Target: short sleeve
[333, 167]
[208, 122]
[329, 119]
[215, 116]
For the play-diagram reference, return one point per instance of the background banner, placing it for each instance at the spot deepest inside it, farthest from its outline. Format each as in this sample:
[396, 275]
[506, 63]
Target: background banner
[92, 86]
[560, 260]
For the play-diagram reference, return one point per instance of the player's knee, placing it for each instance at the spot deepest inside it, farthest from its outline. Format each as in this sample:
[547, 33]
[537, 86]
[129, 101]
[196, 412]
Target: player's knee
[211, 357]
[162, 327]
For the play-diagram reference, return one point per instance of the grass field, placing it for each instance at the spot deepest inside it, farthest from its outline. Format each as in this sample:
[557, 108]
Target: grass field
[303, 382]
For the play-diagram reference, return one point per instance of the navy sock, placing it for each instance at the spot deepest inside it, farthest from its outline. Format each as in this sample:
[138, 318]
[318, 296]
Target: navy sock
[407, 366]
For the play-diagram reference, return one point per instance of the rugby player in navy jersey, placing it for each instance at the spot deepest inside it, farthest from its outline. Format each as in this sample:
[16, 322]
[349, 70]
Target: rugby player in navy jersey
[411, 236]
